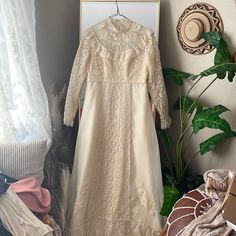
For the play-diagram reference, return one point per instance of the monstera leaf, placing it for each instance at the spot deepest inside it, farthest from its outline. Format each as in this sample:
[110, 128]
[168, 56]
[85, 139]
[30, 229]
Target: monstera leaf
[222, 54]
[210, 144]
[231, 75]
[171, 195]
[187, 104]
[221, 71]
[177, 76]
[223, 61]
[213, 38]
[209, 117]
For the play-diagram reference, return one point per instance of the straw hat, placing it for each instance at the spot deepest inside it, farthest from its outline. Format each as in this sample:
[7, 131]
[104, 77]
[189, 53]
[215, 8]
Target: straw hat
[195, 20]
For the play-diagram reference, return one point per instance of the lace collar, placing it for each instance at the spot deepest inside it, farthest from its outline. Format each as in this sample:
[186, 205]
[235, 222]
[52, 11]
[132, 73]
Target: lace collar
[114, 37]
[119, 25]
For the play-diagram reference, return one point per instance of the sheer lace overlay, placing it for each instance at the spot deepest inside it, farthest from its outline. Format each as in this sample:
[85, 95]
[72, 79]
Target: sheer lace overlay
[24, 111]
[116, 183]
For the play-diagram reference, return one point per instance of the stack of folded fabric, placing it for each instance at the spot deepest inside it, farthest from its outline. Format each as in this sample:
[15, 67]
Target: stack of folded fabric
[24, 206]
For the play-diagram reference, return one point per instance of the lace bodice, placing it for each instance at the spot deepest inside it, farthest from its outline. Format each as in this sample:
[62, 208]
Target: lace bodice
[118, 51]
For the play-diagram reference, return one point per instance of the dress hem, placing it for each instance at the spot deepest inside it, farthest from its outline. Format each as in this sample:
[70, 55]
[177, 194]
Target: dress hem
[104, 227]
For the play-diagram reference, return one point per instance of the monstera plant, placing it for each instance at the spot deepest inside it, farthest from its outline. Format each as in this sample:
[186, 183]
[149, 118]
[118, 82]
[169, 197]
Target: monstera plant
[194, 117]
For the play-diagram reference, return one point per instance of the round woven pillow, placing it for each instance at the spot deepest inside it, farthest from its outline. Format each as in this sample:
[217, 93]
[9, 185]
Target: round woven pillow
[189, 207]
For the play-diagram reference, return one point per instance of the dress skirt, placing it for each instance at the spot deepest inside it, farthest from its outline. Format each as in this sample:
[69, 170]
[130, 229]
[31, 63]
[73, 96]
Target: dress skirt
[116, 183]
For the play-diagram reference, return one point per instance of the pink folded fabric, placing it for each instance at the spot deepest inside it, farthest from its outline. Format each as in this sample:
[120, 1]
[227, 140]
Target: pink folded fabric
[36, 198]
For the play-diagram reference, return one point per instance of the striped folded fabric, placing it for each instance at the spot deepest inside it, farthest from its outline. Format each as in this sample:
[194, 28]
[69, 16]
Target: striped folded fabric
[20, 161]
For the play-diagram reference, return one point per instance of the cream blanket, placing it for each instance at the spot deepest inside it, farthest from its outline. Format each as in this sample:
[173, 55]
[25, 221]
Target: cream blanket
[212, 222]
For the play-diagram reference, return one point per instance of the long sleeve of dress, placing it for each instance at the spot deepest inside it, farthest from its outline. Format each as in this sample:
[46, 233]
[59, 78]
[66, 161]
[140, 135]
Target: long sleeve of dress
[78, 76]
[156, 85]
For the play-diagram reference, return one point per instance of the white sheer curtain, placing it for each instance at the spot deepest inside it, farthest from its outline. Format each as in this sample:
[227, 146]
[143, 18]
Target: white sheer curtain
[24, 113]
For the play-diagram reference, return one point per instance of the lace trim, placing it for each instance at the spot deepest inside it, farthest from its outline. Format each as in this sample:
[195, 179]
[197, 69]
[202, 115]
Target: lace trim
[113, 169]
[156, 85]
[78, 76]
[117, 25]
[101, 227]
[129, 44]
[117, 81]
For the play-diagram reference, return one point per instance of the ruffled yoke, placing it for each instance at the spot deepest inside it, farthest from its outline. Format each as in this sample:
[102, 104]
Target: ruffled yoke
[115, 37]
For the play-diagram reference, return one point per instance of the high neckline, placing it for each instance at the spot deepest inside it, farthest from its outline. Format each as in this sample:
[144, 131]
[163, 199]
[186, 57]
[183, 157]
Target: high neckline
[119, 25]
[110, 39]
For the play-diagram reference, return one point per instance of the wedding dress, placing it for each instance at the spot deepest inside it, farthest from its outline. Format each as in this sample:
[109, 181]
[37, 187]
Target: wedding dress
[116, 184]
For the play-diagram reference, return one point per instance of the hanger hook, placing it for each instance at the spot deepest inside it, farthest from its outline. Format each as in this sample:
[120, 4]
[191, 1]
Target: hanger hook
[117, 8]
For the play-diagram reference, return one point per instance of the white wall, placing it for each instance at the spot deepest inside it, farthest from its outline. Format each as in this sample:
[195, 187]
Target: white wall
[57, 35]
[222, 92]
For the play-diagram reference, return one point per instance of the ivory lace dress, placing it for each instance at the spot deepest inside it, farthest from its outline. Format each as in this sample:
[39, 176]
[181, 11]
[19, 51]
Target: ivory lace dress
[116, 184]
